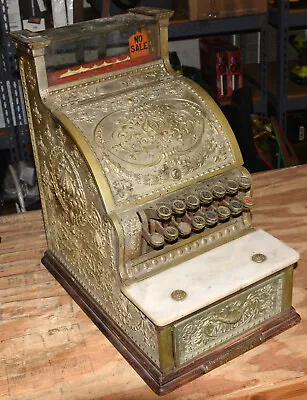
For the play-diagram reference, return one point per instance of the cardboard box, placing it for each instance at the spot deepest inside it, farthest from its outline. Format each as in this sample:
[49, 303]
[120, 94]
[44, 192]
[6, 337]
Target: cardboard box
[212, 9]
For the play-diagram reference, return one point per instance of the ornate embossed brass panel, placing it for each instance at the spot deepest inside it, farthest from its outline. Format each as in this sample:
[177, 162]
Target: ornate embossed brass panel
[140, 175]
[228, 319]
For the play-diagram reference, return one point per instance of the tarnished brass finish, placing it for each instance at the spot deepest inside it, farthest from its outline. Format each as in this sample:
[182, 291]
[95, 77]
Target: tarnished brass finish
[288, 285]
[211, 217]
[228, 319]
[166, 348]
[179, 295]
[232, 186]
[244, 182]
[259, 258]
[223, 213]
[138, 171]
[218, 191]
[164, 212]
[205, 197]
[192, 202]
[198, 222]
[235, 207]
[247, 203]
[179, 206]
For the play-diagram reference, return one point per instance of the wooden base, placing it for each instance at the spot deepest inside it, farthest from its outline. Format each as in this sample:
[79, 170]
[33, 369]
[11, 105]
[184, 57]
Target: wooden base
[158, 382]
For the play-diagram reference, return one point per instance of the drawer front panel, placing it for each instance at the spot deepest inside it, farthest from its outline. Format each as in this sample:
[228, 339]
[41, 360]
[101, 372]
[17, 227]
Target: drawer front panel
[228, 319]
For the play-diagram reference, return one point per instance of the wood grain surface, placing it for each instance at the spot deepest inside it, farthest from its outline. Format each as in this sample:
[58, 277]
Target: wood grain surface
[50, 350]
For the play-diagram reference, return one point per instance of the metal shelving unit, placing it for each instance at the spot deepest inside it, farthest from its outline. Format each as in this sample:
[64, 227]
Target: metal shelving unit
[15, 136]
[287, 95]
[245, 24]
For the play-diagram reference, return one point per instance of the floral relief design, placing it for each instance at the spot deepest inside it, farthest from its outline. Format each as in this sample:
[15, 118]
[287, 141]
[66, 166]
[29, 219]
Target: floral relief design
[79, 232]
[67, 185]
[149, 137]
[149, 133]
[228, 319]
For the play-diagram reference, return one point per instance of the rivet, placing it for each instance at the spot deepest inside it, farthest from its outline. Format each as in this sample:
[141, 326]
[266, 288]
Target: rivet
[179, 295]
[258, 258]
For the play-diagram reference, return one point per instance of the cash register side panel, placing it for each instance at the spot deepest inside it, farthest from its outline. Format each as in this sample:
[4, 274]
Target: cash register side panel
[79, 232]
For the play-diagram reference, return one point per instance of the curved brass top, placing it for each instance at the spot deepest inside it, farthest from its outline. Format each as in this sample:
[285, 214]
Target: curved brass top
[145, 132]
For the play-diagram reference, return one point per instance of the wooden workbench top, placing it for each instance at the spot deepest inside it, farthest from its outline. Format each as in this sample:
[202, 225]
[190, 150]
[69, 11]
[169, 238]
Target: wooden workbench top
[50, 350]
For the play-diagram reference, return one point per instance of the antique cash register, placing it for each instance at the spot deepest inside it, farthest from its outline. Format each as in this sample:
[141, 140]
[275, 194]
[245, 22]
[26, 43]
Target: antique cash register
[146, 205]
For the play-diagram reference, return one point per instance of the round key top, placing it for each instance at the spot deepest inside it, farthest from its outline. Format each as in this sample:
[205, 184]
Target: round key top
[192, 202]
[223, 213]
[205, 197]
[244, 183]
[171, 233]
[156, 240]
[184, 229]
[235, 207]
[247, 203]
[218, 191]
[164, 212]
[211, 218]
[198, 222]
[179, 206]
[232, 186]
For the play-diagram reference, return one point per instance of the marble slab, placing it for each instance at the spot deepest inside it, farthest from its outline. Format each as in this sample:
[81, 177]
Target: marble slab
[209, 277]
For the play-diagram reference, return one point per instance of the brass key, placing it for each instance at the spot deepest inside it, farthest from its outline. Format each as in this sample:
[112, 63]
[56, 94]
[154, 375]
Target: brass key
[218, 191]
[192, 202]
[236, 207]
[205, 197]
[198, 223]
[183, 227]
[170, 233]
[247, 203]
[232, 187]
[155, 239]
[211, 217]
[179, 207]
[164, 212]
[244, 183]
[223, 213]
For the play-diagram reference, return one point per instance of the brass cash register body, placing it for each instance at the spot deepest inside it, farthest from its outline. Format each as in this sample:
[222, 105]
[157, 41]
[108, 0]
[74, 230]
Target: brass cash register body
[145, 200]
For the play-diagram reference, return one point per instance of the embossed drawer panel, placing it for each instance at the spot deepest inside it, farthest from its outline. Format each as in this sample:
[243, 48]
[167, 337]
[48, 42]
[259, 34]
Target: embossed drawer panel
[228, 319]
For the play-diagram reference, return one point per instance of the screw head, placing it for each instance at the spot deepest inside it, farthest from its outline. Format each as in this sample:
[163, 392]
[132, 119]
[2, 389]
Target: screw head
[258, 258]
[179, 295]
[176, 173]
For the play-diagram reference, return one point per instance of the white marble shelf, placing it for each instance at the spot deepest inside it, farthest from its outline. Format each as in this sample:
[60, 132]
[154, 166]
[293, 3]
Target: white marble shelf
[210, 277]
